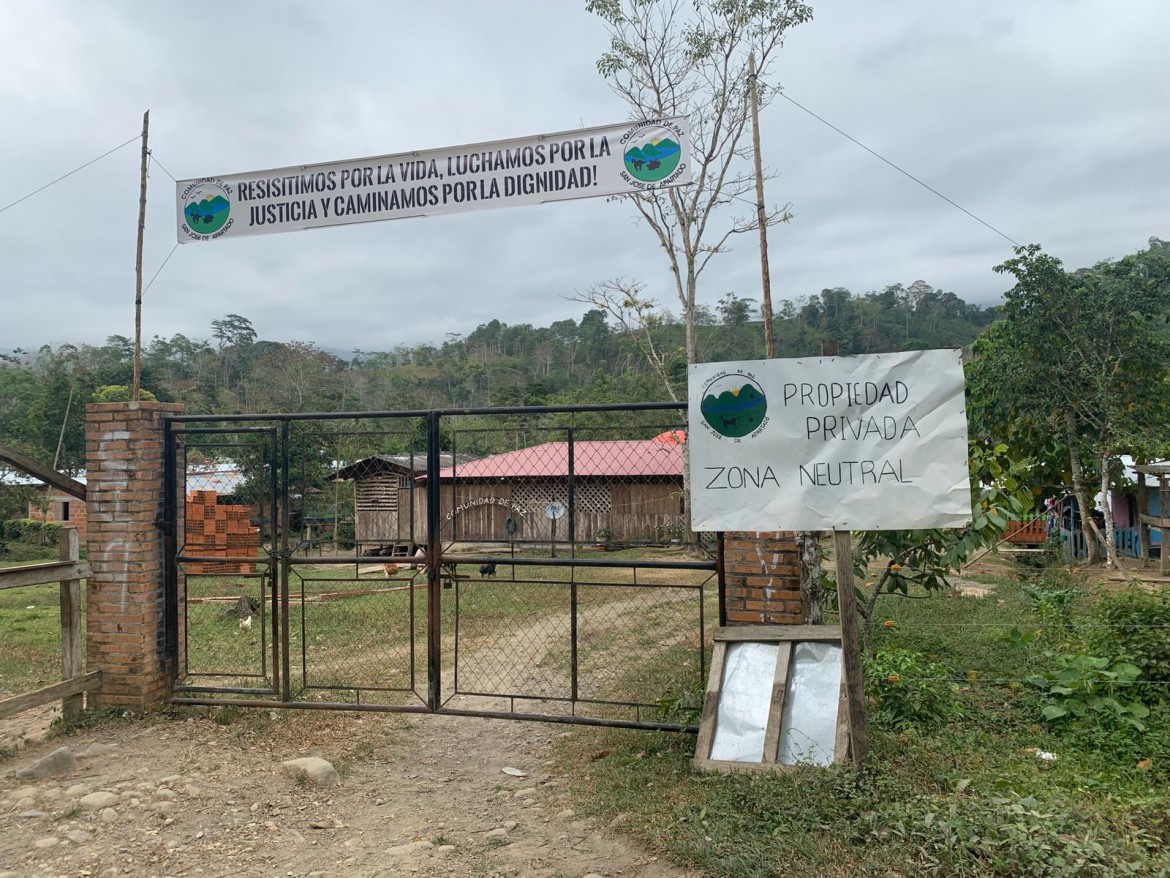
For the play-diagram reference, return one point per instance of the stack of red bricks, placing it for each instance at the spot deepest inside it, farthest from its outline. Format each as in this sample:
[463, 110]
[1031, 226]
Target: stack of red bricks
[219, 531]
[762, 573]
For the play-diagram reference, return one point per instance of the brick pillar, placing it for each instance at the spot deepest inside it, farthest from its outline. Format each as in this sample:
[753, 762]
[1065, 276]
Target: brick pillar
[124, 595]
[762, 572]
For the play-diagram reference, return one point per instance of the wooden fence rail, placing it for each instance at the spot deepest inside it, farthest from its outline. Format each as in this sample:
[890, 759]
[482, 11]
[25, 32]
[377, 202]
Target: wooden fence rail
[69, 570]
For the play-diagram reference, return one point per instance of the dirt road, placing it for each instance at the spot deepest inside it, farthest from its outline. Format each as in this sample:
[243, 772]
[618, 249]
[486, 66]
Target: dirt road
[205, 794]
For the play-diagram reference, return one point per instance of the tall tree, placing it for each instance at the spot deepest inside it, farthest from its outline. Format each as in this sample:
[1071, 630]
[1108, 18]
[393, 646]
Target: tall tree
[670, 58]
[622, 300]
[1083, 354]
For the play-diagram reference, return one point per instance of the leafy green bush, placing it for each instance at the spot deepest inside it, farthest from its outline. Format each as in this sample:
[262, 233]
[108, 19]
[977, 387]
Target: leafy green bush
[345, 535]
[10, 530]
[1085, 686]
[1053, 597]
[908, 689]
[120, 393]
[31, 531]
[1128, 755]
[1000, 836]
[1133, 626]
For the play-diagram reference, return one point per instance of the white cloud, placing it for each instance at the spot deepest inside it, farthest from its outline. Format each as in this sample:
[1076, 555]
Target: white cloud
[1045, 119]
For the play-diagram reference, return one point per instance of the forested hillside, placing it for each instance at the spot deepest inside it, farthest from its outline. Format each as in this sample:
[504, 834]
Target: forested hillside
[594, 359]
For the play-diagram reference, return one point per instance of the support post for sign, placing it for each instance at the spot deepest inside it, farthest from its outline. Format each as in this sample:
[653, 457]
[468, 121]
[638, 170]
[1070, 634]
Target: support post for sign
[138, 263]
[851, 647]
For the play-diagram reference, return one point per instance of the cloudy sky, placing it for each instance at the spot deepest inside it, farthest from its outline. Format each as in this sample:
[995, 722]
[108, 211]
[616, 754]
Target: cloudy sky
[1048, 119]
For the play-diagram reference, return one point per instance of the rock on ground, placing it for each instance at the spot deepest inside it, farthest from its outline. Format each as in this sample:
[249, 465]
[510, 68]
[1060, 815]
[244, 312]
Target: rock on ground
[319, 771]
[60, 761]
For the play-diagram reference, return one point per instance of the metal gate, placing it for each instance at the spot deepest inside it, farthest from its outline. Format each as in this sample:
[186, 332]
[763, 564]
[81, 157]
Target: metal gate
[515, 562]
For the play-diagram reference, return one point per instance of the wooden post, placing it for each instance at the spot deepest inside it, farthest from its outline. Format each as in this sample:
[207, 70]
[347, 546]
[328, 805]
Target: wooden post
[1143, 507]
[761, 213]
[72, 648]
[851, 647]
[138, 263]
[1163, 513]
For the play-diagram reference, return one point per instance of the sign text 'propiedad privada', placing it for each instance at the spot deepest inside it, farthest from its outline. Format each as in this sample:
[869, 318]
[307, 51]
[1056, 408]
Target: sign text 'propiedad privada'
[610, 160]
[875, 442]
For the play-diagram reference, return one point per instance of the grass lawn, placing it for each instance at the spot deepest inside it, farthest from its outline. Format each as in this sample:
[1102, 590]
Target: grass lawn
[351, 632]
[957, 782]
[30, 630]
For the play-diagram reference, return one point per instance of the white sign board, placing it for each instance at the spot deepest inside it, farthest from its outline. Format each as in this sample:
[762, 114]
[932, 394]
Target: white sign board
[875, 442]
[609, 160]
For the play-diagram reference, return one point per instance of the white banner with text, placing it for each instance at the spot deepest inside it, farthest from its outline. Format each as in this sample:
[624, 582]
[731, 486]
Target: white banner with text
[874, 442]
[590, 162]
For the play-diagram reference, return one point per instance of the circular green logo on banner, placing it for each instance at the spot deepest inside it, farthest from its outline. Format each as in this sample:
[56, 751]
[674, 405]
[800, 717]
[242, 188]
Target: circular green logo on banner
[652, 155]
[734, 405]
[207, 208]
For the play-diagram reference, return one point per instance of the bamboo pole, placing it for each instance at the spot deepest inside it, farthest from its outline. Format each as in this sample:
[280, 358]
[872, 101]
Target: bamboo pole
[761, 213]
[138, 262]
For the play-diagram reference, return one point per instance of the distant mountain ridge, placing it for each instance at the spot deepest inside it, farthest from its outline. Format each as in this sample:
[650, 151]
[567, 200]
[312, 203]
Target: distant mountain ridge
[212, 206]
[650, 152]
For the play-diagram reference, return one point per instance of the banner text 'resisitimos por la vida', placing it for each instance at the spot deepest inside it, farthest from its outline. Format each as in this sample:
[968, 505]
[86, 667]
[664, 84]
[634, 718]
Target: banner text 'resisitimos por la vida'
[590, 162]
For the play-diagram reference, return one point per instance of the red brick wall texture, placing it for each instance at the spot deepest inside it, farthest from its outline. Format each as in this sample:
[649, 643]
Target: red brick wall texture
[124, 594]
[762, 574]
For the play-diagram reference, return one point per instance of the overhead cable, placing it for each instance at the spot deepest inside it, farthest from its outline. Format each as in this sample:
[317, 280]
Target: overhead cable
[900, 170]
[71, 173]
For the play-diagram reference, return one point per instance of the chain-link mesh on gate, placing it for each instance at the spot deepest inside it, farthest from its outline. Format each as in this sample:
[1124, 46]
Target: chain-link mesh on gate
[577, 599]
[225, 496]
[493, 561]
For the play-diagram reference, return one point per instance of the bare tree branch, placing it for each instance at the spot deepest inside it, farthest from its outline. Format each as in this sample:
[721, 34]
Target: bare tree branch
[670, 58]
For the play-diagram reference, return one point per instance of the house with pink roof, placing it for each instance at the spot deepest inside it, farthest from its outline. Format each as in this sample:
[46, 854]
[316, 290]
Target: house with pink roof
[621, 491]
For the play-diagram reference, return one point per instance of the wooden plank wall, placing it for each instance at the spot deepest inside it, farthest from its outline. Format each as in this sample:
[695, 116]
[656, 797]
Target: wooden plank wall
[640, 512]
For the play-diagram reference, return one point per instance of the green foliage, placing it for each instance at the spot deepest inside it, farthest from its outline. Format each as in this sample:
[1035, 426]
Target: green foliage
[346, 535]
[31, 531]
[15, 500]
[927, 557]
[1133, 626]
[1011, 836]
[1075, 372]
[23, 553]
[571, 361]
[1053, 598]
[1091, 689]
[120, 393]
[908, 689]
[971, 797]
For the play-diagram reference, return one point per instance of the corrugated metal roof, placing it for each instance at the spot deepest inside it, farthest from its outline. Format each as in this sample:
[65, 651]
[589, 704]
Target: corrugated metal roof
[16, 479]
[612, 459]
[403, 463]
[223, 478]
